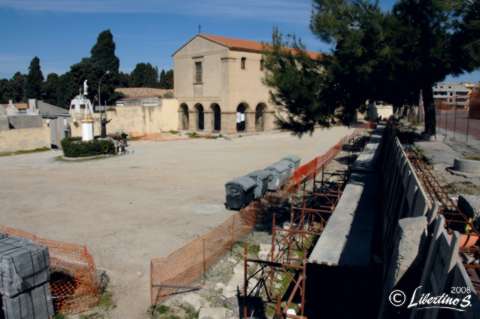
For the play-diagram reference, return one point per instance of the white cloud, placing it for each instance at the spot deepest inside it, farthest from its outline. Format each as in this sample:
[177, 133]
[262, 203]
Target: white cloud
[297, 11]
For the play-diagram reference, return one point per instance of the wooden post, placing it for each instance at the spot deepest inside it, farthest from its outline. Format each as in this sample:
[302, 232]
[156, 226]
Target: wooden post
[232, 234]
[204, 259]
[245, 280]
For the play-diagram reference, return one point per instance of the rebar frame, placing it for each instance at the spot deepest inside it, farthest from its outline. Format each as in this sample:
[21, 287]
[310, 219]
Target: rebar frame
[436, 192]
[453, 215]
[290, 246]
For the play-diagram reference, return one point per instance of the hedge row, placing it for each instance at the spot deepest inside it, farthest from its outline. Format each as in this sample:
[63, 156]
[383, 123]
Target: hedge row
[74, 147]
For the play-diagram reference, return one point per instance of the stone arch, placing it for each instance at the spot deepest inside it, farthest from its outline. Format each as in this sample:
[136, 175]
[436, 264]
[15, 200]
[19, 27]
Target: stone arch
[184, 116]
[242, 117]
[260, 116]
[199, 117]
[217, 117]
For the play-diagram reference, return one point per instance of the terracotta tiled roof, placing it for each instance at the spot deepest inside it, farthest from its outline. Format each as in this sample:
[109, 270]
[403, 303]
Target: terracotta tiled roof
[245, 45]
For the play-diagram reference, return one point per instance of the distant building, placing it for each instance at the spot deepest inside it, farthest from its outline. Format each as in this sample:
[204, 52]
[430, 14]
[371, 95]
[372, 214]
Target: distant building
[22, 115]
[218, 82]
[36, 114]
[452, 94]
[142, 96]
[474, 107]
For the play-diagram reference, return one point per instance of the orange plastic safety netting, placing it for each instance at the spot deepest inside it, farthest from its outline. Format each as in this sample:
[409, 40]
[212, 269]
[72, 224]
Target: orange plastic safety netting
[181, 269]
[80, 292]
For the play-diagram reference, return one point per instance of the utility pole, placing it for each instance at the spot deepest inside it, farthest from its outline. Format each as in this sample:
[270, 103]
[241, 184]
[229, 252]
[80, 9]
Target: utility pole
[103, 113]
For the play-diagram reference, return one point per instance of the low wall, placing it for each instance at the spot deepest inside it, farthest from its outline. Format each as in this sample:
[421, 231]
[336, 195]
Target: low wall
[339, 266]
[136, 120]
[24, 139]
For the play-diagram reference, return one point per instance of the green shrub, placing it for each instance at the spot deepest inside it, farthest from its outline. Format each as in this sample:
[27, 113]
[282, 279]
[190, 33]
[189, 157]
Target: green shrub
[74, 147]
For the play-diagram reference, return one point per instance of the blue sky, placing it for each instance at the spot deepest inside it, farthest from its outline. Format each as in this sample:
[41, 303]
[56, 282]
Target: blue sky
[61, 32]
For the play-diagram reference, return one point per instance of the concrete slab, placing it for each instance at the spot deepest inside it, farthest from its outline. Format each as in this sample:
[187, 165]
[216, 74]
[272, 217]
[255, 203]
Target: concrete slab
[347, 238]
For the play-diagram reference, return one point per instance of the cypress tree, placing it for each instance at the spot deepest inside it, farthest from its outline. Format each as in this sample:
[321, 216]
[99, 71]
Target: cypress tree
[34, 81]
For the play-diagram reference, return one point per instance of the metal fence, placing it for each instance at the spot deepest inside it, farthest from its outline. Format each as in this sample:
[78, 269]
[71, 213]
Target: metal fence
[455, 123]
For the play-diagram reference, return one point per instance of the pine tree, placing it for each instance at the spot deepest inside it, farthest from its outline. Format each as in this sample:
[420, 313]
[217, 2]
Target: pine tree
[144, 75]
[33, 85]
[377, 55]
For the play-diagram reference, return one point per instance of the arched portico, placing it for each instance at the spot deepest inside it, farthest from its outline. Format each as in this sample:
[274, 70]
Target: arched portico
[241, 117]
[260, 116]
[184, 116]
[216, 118]
[199, 117]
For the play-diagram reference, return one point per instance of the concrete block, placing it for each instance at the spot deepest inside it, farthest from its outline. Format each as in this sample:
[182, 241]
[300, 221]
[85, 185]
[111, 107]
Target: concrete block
[23, 265]
[347, 238]
[34, 304]
[367, 160]
[408, 239]
[466, 166]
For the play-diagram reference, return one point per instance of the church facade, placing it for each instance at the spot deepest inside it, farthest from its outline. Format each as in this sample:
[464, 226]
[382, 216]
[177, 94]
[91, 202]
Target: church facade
[218, 83]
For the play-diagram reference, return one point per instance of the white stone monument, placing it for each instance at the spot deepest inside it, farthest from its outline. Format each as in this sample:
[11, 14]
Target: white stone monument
[81, 109]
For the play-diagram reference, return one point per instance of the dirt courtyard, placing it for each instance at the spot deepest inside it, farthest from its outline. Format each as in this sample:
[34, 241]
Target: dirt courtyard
[146, 204]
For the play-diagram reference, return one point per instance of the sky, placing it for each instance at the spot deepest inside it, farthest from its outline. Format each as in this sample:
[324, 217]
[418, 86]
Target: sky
[62, 32]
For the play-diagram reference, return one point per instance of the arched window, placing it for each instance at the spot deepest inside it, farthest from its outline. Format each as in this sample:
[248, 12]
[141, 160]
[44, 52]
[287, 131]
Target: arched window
[243, 63]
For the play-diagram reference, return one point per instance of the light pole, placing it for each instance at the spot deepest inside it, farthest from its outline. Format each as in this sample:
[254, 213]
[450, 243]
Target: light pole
[103, 114]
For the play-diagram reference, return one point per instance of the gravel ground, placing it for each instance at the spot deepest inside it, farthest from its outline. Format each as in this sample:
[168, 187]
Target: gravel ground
[441, 152]
[131, 208]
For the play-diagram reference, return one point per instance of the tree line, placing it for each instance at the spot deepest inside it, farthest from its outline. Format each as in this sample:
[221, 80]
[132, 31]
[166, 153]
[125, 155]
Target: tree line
[394, 56]
[102, 65]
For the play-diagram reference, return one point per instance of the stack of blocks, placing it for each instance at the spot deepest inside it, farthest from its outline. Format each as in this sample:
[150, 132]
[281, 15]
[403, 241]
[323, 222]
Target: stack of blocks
[24, 275]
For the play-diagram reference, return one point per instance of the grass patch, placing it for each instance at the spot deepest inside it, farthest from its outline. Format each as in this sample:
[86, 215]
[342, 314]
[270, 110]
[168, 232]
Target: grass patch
[93, 315]
[35, 150]
[183, 311]
[106, 301]
[173, 132]
[193, 135]
[473, 157]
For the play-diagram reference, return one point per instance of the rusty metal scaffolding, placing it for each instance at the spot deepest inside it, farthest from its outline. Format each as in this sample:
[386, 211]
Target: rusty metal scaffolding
[280, 279]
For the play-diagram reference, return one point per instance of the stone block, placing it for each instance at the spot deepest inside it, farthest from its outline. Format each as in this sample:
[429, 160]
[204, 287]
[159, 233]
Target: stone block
[33, 304]
[23, 265]
[408, 240]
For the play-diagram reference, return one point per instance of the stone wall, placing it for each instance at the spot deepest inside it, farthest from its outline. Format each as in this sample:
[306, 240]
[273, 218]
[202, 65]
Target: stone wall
[136, 120]
[24, 139]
